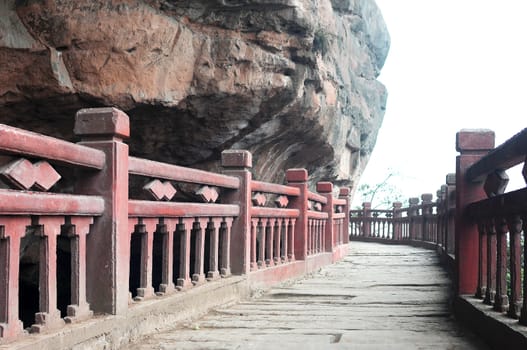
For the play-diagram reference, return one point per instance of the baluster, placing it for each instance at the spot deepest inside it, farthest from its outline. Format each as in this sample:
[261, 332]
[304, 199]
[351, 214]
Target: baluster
[491, 262]
[269, 261]
[319, 236]
[262, 226]
[167, 274]
[199, 261]
[501, 300]
[254, 234]
[48, 316]
[482, 261]
[316, 243]
[226, 229]
[283, 252]
[322, 233]
[515, 227]
[77, 228]
[214, 232]
[523, 314]
[291, 240]
[309, 238]
[11, 232]
[278, 236]
[185, 227]
[146, 227]
[315, 236]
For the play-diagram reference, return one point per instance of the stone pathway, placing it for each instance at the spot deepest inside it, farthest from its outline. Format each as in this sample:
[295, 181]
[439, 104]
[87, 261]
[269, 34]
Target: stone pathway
[379, 297]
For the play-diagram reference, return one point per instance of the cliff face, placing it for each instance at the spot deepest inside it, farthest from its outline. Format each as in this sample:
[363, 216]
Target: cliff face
[293, 81]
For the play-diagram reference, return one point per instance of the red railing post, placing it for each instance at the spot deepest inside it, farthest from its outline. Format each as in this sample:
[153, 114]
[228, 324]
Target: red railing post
[11, 232]
[450, 212]
[344, 193]
[326, 189]
[472, 146]
[238, 163]
[108, 246]
[426, 212]
[298, 178]
[396, 216]
[413, 212]
[366, 219]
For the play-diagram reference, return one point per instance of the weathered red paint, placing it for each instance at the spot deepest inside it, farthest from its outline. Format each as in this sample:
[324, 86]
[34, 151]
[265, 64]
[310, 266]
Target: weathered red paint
[258, 186]
[101, 219]
[150, 168]
[108, 270]
[13, 229]
[472, 145]
[326, 190]
[35, 203]
[298, 178]
[26, 143]
[79, 309]
[139, 208]
[48, 316]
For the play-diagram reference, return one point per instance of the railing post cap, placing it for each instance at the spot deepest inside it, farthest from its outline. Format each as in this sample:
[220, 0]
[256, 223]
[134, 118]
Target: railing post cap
[344, 192]
[451, 179]
[234, 158]
[397, 205]
[96, 122]
[366, 205]
[413, 201]
[475, 140]
[296, 175]
[324, 187]
[427, 197]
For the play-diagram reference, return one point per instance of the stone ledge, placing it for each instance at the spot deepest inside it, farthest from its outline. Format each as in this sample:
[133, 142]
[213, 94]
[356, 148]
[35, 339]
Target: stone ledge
[497, 330]
[142, 319]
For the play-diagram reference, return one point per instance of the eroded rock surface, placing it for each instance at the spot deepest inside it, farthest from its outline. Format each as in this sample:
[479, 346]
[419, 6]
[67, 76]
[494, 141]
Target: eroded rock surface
[293, 81]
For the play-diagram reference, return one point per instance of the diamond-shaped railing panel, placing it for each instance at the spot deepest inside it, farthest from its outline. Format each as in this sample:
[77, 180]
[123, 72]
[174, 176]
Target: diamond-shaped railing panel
[22, 174]
[282, 202]
[496, 183]
[208, 194]
[160, 190]
[259, 200]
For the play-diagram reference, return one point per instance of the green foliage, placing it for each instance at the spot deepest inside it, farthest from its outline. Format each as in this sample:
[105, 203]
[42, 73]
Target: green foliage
[381, 195]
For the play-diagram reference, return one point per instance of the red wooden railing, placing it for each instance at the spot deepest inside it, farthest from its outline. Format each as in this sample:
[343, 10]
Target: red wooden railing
[477, 220]
[115, 226]
[426, 221]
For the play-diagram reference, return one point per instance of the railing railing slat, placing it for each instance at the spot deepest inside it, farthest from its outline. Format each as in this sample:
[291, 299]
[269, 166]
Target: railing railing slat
[27, 143]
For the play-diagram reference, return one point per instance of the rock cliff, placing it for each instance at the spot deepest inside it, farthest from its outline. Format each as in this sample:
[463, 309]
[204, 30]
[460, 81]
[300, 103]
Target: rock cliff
[293, 81]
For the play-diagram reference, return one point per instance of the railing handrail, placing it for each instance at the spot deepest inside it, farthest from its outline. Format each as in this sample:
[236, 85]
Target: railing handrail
[311, 214]
[22, 142]
[260, 212]
[512, 152]
[140, 208]
[267, 187]
[36, 203]
[316, 197]
[150, 168]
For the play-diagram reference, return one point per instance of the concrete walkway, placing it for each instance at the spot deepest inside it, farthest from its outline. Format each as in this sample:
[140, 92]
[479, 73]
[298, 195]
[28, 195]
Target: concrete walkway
[379, 297]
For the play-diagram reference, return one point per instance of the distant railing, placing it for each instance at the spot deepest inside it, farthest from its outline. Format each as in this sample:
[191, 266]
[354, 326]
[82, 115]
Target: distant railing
[86, 226]
[474, 218]
[424, 221]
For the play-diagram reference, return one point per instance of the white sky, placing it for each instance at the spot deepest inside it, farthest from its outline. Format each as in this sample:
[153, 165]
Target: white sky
[452, 64]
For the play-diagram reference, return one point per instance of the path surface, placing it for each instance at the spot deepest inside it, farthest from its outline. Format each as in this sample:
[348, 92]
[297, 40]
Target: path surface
[379, 297]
